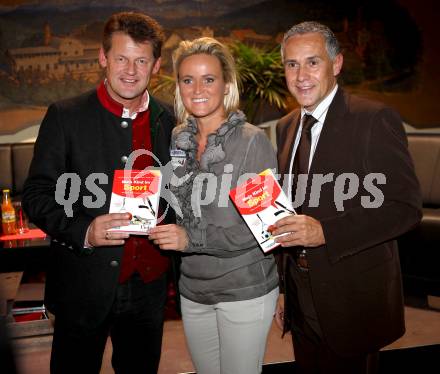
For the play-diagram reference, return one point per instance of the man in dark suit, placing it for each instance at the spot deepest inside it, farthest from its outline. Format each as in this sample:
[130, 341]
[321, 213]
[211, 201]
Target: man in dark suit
[101, 283]
[340, 264]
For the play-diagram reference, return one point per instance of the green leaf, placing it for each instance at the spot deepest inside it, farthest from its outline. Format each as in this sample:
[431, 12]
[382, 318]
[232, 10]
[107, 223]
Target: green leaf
[261, 77]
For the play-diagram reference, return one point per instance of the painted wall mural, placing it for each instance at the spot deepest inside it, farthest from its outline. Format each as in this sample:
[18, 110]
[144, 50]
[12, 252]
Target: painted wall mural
[49, 49]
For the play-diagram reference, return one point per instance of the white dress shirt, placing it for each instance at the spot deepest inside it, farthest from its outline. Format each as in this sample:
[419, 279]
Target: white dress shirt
[319, 114]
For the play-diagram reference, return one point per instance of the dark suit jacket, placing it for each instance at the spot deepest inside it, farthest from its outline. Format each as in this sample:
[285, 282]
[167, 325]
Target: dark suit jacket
[355, 277]
[80, 136]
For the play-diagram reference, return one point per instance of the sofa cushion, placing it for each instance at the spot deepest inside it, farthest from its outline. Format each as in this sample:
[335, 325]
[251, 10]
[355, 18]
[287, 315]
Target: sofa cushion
[431, 221]
[425, 151]
[419, 248]
[21, 159]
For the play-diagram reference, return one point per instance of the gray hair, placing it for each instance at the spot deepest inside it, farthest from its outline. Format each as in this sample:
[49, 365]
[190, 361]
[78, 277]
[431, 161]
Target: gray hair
[212, 47]
[331, 43]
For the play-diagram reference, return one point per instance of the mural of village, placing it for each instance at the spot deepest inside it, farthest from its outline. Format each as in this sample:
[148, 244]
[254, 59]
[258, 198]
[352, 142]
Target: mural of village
[49, 49]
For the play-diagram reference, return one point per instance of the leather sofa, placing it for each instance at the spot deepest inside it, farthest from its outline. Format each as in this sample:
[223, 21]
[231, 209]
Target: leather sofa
[419, 249]
[15, 159]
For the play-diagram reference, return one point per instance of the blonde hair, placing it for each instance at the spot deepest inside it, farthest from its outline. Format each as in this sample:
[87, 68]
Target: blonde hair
[212, 47]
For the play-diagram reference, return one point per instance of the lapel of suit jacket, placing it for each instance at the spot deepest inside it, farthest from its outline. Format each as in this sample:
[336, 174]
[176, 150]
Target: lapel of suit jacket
[289, 141]
[331, 131]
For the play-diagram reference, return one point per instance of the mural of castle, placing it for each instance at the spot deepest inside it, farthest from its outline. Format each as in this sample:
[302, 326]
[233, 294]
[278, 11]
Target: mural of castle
[41, 63]
[57, 57]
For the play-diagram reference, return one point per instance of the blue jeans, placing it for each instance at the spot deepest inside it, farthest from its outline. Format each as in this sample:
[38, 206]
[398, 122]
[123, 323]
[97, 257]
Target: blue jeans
[135, 325]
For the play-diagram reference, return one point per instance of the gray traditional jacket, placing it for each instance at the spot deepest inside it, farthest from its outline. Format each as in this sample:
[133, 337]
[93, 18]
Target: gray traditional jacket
[223, 261]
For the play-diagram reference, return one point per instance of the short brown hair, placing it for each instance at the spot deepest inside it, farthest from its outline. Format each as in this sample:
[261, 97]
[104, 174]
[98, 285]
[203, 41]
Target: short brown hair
[140, 27]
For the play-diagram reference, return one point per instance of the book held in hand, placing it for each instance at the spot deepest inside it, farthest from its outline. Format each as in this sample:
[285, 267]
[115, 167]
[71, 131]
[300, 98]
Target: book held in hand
[136, 192]
[261, 202]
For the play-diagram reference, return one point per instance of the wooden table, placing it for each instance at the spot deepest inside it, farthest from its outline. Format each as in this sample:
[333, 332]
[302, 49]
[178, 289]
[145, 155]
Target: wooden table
[20, 255]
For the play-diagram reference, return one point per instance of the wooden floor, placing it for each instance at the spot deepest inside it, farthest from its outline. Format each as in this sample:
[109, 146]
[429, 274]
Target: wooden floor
[423, 328]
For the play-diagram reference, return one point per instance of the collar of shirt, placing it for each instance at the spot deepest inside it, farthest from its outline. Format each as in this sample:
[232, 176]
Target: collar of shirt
[319, 113]
[321, 110]
[118, 109]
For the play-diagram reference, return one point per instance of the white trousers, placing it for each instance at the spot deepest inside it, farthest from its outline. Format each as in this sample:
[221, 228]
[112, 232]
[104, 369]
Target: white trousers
[228, 337]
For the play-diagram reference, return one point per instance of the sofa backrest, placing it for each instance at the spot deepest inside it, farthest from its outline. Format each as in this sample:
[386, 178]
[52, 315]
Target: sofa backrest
[425, 151]
[22, 154]
[15, 160]
[6, 166]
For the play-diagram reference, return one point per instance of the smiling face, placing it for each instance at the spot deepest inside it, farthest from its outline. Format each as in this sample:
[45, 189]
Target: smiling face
[310, 73]
[129, 66]
[202, 88]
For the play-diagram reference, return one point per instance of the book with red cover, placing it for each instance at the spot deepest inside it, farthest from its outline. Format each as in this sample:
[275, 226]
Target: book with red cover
[28, 310]
[136, 192]
[261, 202]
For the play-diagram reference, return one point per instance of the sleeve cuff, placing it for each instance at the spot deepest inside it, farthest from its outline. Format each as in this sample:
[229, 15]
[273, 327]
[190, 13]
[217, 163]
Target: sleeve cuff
[86, 241]
[197, 240]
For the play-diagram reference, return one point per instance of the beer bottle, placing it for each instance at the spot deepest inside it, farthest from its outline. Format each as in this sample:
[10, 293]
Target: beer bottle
[8, 214]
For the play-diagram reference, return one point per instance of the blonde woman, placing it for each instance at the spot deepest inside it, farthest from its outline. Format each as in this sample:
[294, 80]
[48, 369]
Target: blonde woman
[228, 286]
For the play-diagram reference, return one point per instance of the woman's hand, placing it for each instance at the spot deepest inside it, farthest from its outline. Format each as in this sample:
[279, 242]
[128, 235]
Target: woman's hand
[169, 237]
[279, 312]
